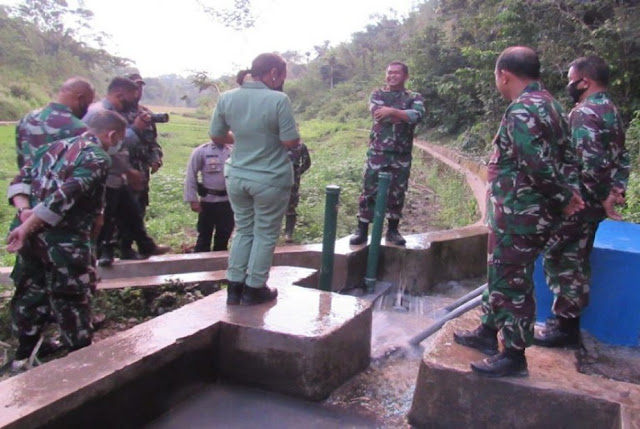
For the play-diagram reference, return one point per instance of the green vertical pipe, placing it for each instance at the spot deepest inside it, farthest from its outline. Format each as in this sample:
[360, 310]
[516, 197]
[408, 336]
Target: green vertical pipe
[329, 236]
[384, 179]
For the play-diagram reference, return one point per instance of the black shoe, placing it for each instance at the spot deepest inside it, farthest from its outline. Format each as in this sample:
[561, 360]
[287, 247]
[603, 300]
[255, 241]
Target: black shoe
[394, 237]
[49, 347]
[360, 236]
[509, 363]
[106, 257]
[290, 224]
[255, 296]
[131, 255]
[481, 338]
[234, 293]
[559, 332]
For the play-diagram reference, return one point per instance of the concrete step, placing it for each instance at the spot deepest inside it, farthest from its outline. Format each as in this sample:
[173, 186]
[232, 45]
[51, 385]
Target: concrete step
[296, 275]
[554, 395]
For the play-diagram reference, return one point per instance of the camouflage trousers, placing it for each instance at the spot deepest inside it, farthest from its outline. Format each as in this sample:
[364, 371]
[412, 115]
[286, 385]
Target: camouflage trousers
[399, 165]
[54, 280]
[508, 303]
[567, 266]
[294, 199]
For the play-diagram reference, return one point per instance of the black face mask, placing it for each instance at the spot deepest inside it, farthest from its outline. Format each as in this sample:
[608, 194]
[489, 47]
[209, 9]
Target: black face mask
[574, 92]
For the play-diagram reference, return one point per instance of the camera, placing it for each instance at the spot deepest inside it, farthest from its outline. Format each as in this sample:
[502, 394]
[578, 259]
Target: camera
[159, 117]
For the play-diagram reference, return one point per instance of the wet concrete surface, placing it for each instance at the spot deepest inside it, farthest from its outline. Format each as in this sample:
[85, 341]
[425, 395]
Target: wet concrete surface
[379, 397]
[233, 406]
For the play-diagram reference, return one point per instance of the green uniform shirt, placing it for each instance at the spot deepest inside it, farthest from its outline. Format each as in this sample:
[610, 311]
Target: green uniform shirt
[260, 119]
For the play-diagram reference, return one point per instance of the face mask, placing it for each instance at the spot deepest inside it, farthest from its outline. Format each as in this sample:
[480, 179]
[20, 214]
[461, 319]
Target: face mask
[574, 92]
[115, 148]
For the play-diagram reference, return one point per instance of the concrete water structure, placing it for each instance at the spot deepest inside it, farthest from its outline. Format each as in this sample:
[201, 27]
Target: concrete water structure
[306, 344]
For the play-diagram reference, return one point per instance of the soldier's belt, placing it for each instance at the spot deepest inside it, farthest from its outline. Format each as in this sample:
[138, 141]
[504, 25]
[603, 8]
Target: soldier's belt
[217, 193]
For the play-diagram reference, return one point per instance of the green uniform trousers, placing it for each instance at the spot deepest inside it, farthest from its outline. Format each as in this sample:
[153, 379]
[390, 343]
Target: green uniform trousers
[258, 209]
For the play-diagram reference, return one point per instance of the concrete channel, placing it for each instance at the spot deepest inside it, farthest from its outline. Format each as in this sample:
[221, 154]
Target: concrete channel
[206, 365]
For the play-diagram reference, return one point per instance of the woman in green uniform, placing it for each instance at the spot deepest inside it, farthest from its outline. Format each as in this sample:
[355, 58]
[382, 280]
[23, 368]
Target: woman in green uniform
[258, 119]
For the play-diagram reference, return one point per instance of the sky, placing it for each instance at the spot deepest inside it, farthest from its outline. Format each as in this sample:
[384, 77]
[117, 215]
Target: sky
[177, 37]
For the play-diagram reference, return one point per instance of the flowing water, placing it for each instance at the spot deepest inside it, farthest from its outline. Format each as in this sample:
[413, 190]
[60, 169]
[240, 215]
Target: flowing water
[379, 397]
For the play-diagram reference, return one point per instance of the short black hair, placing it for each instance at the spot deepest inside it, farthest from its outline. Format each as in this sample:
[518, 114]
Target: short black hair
[106, 120]
[593, 67]
[405, 68]
[521, 61]
[121, 84]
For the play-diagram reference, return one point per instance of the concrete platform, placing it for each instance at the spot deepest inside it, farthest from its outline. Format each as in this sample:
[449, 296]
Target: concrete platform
[612, 315]
[555, 395]
[306, 344]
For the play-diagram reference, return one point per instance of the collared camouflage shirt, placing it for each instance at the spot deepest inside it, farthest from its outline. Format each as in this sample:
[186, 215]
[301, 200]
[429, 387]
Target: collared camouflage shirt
[43, 126]
[532, 172]
[65, 182]
[147, 150]
[395, 136]
[598, 137]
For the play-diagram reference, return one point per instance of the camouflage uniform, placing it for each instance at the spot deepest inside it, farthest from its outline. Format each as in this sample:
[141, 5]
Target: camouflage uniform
[48, 124]
[144, 153]
[390, 150]
[301, 162]
[532, 175]
[65, 184]
[598, 138]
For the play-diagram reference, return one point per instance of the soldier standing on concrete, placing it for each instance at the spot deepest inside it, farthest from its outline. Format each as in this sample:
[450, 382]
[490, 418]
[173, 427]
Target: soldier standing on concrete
[532, 180]
[58, 120]
[146, 155]
[395, 111]
[213, 207]
[301, 162]
[121, 210]
[59, 193]
[598, 138]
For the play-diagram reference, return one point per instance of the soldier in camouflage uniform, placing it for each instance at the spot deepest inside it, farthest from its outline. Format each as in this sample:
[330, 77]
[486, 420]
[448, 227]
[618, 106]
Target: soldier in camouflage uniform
[395, 111]
[301, 162]
[598, 138]
[121, 208]
[145, 155]
[59, 193]
[532, 181]
[58, 120]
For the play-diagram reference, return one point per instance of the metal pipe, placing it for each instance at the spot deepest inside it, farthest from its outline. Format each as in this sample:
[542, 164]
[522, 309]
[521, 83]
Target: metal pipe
[415, 340]
[384, 179]
[458, 302]
[329, 236]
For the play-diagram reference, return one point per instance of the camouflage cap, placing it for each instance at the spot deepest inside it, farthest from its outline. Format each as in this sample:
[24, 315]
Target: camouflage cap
[136, 78]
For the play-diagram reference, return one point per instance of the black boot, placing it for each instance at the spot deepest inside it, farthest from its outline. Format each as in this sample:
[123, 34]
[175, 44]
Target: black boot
[360, 236]
[509, 363]
[482, 338]
[393, 235]
[106, 256]
[255, 296]
[561, 332]
[289, 226]
[234, 292]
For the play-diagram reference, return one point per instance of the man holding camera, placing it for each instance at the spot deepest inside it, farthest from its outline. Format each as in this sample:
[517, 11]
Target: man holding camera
[146, 155]
[213, 207]
[122, 209]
